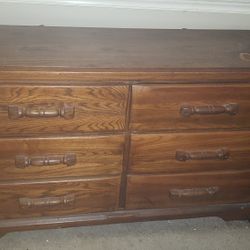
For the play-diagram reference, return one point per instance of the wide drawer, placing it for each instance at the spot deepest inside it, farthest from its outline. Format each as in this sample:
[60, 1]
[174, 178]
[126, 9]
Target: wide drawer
[190, 106]
[190, 152]
[54, 109]
[61, 198]
[187, 190]
[34, 158]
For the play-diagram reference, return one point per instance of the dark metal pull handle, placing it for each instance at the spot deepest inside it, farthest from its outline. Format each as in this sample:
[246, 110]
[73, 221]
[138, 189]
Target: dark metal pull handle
[23, 161]
[66, 111]
[46, 201]
[231, 109]
[193, 192]
[220, 154]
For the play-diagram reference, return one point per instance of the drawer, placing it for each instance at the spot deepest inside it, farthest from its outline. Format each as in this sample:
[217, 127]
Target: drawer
[33, 158]
[166, 191]
[190, 106]
[60, 198]
[190, 152]
[54, 109]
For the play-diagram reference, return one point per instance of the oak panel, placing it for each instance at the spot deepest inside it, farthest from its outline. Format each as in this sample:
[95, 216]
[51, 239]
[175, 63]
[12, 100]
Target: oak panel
[157, 191]
[96, 108]
[65, 76]
[158, 107]
[156, 153]
[95, 155]
[90, 195]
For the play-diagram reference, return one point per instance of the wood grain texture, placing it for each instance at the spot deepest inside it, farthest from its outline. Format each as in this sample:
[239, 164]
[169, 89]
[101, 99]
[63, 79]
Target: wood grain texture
[72, 76]
[158, 107]
[95, 155]
[145, 191]
[91, 195]
[122, 48]
[156, 153]
[97, 108]
[126, 154]
[96, 93]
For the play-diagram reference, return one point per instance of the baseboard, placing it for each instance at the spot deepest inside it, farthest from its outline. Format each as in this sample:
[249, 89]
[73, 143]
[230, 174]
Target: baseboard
[220, 6]
[176, 16]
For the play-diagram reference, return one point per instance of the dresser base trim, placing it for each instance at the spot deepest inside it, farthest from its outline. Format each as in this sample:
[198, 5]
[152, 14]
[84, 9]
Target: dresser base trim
[226, 212]
[122, 76]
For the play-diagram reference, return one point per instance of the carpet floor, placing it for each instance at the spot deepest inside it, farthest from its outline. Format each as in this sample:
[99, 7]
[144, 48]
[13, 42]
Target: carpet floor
[192, 234]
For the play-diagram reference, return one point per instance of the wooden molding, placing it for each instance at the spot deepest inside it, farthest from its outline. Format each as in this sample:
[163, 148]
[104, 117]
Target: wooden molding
[226, 212]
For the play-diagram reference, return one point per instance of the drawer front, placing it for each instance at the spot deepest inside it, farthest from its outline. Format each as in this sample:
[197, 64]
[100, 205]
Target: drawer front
[55, 199]
[171, 107]
[190, 152]
[60, 157]
[187, 190]
[40, 110]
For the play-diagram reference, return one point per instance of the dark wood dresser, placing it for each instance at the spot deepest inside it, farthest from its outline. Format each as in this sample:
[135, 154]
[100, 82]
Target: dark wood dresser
[116, 125]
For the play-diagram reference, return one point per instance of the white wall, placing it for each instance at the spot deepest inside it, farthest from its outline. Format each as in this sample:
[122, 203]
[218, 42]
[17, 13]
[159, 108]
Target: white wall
[202, 14]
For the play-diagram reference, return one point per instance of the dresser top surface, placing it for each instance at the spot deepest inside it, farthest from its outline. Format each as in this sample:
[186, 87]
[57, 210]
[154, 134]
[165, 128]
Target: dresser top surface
[122, 48]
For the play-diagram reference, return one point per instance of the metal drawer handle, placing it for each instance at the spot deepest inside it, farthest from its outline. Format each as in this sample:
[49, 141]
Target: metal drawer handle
[220, 154]
[193, 192]
[23, 161]
[66, 111]
[231, 109]
[47, 201]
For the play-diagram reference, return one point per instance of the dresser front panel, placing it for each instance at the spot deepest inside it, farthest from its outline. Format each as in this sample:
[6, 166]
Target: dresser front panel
[190, 106]
[35, 158]
[189, 152]
[167, 191]
[58, 198]
[54, 109]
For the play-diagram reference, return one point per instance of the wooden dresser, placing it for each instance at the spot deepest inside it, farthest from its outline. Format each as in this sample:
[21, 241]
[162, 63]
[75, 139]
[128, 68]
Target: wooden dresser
[117, 125]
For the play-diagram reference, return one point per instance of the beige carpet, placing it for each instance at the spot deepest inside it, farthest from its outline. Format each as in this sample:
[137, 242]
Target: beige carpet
[192, 234]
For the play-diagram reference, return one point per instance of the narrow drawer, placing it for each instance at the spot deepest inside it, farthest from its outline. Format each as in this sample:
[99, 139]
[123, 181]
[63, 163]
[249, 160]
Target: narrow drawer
[61, 198]
[40, 110]
[190, 106]
[189, 152]
[168, 191]
[60, 157]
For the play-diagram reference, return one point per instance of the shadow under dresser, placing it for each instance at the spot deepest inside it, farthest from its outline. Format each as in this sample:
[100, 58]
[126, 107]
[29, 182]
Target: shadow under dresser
[119, 125]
